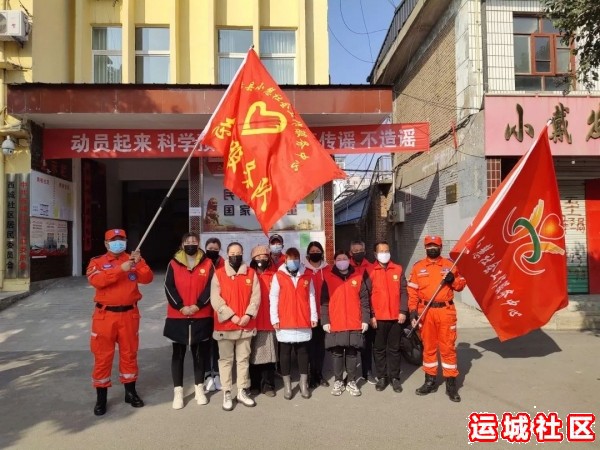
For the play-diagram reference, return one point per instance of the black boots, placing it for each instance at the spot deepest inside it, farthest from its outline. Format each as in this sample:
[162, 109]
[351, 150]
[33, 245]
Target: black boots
[381, 384]
[452, 390]
[100, 408]
[428, 387]
[131, 395]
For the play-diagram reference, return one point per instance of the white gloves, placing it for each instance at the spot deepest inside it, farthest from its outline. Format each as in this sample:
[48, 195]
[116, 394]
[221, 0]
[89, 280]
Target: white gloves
[365, 327]
[327, 328]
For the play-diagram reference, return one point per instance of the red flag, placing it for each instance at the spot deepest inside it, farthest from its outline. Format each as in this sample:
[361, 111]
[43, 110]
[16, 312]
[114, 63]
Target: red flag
[514, 250]
[272, 160]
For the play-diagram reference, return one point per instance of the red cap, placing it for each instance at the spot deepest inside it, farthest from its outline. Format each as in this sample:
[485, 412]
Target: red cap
[110, 234]
[433, 240]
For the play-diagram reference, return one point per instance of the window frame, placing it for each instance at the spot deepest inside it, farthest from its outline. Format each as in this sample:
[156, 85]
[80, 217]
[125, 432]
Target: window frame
[555, 45]
[229, 55]
[283, 56]
[105, 52]
[152, 53]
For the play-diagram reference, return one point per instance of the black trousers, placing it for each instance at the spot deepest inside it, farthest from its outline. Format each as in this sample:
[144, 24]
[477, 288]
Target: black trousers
[344, 356]
[262, 375]
[366, 353]
[285, 357]
[211, 359]
[198, 351]
[317, 352]
[386, 348]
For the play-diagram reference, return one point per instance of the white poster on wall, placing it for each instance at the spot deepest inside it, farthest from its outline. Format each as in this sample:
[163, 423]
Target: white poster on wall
[51, 197]
[225, 212]
[48, 237]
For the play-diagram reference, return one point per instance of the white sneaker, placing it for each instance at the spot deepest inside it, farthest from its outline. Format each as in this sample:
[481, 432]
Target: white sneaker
[245, 399]
[227, 402]
[353, 389]
[200, 397]
[217, 381]
[178, 398]
[338, 388]
[209, 385]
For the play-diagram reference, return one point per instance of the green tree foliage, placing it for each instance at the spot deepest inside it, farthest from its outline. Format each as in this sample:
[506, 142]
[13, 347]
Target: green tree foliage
[579, 22]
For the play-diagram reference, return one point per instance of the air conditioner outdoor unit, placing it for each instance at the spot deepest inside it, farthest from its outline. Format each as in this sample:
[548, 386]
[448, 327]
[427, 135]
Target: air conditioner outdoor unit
[396, 213]
[13, 25]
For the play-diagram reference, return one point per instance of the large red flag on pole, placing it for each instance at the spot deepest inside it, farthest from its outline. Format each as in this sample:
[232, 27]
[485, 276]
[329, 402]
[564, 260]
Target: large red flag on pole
[272, 160]
[514, 250]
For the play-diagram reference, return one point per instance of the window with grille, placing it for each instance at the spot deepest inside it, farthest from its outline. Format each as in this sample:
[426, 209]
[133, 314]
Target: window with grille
[542, 60]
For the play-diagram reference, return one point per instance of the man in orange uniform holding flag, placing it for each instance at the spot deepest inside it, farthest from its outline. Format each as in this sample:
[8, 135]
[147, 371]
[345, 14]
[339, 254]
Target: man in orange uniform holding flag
[116, 319]
[438, 325]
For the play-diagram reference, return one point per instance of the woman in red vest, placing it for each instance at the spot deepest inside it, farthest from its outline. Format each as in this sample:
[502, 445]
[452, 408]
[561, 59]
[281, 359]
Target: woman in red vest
[345, 314]
[235, 297]
[293, 315]
[212, 249]
[189, 314]
[263, 354]
[315, 263]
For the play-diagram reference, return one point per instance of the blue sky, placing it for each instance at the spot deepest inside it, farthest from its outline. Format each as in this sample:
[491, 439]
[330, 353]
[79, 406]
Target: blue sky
[356, 30]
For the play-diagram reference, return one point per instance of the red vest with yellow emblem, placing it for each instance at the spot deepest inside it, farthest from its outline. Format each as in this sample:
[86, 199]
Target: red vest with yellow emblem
[236, 291]
[294, 301]
[344, 301]
[385, 290]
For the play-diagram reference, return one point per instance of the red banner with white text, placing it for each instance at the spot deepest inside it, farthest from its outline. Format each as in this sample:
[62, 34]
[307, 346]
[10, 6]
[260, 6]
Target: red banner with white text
[130, 143]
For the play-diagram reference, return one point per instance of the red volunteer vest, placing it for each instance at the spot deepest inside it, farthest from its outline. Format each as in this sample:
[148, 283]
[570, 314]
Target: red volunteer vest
[263, 318]
[294, 301]
[190, 285]
[344, 301]
[236, 291]
[385, 290]
[318, 278]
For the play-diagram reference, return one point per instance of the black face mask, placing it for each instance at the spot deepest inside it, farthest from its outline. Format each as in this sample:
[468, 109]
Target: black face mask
[212, 254]
[358, 257]
[433, 252]
[235, 262]
[190, 250]
[315, 257]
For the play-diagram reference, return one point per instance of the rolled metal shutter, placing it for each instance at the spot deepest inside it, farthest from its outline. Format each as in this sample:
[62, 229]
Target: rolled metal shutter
[572, 201]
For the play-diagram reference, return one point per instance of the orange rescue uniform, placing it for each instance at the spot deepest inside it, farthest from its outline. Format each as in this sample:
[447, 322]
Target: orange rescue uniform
[438, 325]
[116, 318]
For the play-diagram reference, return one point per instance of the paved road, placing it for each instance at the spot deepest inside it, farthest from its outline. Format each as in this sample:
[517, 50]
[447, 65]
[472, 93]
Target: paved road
[46, 398]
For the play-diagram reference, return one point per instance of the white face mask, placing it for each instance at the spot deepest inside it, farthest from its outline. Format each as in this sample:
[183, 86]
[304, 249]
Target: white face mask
[342, 264]
[384, 258]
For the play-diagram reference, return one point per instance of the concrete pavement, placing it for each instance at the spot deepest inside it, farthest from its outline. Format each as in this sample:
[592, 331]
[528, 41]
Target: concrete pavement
[46, 398]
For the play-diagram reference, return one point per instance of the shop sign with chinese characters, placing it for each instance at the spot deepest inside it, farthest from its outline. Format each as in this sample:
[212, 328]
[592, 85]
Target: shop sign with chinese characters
[512, 123]
[86, 143]
[17, 226]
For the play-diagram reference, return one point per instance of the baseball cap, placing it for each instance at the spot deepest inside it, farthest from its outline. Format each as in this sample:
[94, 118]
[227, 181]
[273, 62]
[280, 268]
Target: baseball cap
[110, 234]
[433, 240]
[274, 237]
[259, 250]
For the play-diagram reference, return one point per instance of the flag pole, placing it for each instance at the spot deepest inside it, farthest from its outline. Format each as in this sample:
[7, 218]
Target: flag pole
[164, 202]
[436, 293]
